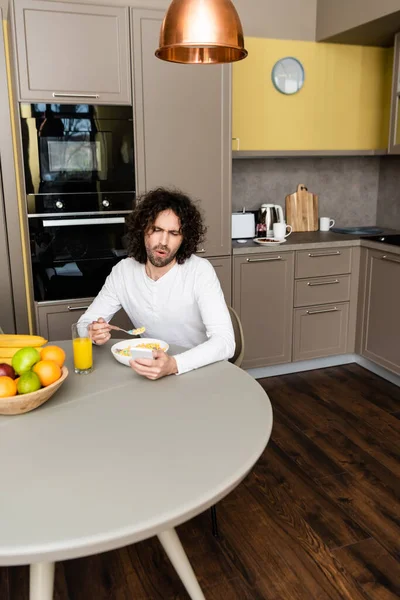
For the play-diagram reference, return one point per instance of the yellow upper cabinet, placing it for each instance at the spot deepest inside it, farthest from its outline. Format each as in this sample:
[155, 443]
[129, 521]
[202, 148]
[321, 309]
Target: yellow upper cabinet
[343, 105]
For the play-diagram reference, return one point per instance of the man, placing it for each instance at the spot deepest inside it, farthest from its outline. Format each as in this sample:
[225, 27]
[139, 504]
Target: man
[166, 288]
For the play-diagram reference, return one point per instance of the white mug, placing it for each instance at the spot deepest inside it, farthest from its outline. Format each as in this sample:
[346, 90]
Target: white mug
[325, 223]
[280, 230]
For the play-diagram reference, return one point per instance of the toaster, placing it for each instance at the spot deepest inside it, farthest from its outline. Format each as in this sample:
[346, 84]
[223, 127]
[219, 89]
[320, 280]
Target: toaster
[243, 225]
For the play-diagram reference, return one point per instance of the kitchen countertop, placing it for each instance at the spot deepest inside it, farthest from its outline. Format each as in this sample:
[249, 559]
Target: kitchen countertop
[310, 240]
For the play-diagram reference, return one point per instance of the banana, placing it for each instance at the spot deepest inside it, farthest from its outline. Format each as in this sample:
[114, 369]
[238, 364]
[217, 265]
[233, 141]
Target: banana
[21, 341]
[9, 352]
[7, 361]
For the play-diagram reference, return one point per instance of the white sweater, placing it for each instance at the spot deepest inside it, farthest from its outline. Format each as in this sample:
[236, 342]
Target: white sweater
[185, 307]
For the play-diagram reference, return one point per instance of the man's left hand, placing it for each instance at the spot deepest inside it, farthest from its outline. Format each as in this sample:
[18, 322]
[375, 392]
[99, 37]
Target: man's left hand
[154, 368]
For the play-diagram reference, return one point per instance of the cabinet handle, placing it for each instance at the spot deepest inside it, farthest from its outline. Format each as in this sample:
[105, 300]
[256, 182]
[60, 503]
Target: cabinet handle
[200, 251]
[60, 95]
[390, 259]
[315, 254]
[314, 283]
[263, 259]
[72, 308]
[323, 310]
[238, 142]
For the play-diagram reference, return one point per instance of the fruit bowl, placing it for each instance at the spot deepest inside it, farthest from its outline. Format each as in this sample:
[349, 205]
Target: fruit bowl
[17, 405]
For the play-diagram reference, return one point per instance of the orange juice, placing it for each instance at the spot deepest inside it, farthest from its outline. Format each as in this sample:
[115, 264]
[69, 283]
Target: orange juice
[83, 357]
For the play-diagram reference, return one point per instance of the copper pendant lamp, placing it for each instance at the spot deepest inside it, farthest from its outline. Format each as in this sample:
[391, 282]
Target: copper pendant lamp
[201, 32]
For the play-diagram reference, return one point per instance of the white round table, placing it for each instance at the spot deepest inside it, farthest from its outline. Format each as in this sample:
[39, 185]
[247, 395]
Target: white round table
[114, 458]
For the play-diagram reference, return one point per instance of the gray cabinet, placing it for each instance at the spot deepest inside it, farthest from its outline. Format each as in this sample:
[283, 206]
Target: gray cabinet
[381, 326]
[223, 269]
[325, 302]
[320, 331]
[72, 52]
[320, 263]
[183, 129]
[263, 298]
[321, 290]
[394, 131]
[54, 319]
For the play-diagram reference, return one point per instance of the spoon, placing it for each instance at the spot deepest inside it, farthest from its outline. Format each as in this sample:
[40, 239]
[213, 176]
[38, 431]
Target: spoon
[137, 331]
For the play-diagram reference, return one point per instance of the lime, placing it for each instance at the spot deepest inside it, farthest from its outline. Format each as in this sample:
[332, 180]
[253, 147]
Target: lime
[28, 382]
[24, 359]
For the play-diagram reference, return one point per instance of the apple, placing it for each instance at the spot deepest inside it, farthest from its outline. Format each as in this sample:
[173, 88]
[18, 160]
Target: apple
[7, 370]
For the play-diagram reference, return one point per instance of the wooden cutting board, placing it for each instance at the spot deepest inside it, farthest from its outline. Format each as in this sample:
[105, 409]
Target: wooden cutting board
[302, 210]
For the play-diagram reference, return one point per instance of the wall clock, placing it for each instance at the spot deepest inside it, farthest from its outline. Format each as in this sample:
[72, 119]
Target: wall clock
[288, 75]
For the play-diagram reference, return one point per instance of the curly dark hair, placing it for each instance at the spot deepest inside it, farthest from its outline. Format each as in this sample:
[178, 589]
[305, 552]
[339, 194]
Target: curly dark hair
[145, 213]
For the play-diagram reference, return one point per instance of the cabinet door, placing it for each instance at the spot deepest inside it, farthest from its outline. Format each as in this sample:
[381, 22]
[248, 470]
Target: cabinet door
[54, 319]
[324, 262]
[223, 269]
[381, 335]
[263, 298]
[72, 52]
[183, 123]
[394, 131]
[320, 331]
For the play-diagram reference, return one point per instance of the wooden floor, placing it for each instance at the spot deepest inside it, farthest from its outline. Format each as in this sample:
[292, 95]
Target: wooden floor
[318, 518]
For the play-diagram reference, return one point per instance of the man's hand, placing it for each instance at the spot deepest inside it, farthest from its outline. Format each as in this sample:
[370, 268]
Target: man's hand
[99, 331]
[159, 366]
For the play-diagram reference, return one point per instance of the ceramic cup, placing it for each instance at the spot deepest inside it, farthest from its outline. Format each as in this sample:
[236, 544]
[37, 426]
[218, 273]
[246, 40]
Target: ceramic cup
[325, 223]
[280, 231]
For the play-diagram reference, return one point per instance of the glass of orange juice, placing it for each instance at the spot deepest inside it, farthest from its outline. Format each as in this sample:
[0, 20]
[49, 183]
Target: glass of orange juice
[82, 347]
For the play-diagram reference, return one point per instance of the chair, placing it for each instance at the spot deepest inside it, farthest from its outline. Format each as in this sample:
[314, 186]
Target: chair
[236, 360]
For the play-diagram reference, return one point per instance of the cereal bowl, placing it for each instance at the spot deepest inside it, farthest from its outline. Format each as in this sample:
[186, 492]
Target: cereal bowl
[125, 350]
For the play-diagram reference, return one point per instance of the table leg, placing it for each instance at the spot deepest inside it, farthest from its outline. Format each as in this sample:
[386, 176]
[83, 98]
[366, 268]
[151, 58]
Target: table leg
[176, 554]
[41, 582]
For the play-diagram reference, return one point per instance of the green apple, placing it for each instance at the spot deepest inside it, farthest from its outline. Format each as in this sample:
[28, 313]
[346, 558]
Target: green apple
[24, 359]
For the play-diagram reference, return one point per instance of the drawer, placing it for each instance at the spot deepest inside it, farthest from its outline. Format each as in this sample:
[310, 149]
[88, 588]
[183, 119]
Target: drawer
[320, 331]
[322, 290]
[318, 263]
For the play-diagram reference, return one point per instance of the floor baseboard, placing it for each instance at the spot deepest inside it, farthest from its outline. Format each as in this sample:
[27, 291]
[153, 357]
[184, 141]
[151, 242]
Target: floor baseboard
[378, 370]
[322, 363]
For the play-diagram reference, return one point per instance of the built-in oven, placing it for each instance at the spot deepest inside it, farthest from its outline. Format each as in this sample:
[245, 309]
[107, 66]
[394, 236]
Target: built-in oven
[80, 185]
[77, 149]
[73, 255]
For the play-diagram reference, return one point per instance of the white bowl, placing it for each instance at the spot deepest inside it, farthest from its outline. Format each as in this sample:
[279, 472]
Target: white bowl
[136, 352]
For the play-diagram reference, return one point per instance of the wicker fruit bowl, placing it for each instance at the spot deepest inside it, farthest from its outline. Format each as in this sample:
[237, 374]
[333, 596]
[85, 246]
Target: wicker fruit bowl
[16, 405]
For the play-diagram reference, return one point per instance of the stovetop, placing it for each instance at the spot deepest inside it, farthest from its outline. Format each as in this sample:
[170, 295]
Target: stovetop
[393, 240]
[361, 230]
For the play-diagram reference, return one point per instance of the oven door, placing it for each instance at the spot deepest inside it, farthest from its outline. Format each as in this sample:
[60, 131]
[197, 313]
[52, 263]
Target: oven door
[71, 257]
[77, 149]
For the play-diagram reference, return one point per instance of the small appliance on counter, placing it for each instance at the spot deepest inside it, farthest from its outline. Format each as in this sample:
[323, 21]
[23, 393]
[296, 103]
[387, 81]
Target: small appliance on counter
[302, 210]
[243, 226]
[267, 216]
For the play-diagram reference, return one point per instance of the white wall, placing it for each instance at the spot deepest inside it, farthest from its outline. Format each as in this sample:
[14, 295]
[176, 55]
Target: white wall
[284, 19]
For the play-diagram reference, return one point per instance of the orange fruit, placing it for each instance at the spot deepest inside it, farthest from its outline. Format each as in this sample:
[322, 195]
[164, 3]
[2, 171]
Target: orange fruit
[8, 387]
[53, 353]
[48, 371]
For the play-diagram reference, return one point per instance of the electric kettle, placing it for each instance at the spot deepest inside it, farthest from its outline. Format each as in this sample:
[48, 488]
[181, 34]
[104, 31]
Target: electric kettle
[267, 216]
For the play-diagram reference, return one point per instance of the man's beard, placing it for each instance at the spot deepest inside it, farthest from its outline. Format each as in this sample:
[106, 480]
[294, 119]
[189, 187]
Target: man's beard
[160, 261]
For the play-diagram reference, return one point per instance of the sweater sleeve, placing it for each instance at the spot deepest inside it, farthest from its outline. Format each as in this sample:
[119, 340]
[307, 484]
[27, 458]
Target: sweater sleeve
[107, 302]
[214, 312]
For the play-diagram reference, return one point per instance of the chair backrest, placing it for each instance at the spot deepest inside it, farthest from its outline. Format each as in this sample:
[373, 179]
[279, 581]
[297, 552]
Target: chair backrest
[237, 358]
